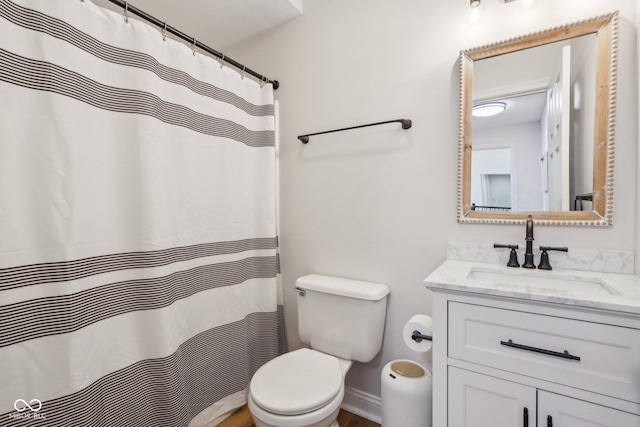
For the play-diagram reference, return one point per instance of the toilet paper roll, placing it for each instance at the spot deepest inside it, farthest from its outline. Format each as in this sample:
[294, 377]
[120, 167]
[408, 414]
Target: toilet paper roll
[423, 324]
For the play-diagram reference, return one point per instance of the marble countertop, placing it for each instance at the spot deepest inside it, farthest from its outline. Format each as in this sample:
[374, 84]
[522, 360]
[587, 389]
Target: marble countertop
[618, 292]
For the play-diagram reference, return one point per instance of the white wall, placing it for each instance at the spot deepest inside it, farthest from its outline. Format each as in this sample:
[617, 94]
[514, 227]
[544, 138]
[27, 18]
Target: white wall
[638, 162]
[379, 204]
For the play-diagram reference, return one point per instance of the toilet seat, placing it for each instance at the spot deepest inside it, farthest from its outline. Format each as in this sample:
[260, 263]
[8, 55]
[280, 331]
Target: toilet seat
[298, 382]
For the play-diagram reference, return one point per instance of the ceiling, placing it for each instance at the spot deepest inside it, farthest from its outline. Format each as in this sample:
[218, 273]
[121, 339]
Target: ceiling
[217, 23]
[520, 109]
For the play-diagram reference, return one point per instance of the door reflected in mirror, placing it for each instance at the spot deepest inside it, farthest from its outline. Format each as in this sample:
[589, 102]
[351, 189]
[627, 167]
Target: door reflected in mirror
[532, 109]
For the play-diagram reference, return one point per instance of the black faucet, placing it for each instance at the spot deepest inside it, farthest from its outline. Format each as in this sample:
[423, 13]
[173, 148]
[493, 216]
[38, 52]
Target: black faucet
[528, 254]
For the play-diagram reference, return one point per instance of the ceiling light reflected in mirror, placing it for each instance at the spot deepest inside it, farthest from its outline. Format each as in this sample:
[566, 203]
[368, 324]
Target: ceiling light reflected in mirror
[489, 109]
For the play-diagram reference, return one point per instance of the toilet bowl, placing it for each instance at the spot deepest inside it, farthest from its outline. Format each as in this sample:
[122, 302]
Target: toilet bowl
[342, 320]
[303, 388]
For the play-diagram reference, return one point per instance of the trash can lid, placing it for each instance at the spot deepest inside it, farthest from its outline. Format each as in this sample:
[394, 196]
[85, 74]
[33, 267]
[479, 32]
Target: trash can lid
[407, 369]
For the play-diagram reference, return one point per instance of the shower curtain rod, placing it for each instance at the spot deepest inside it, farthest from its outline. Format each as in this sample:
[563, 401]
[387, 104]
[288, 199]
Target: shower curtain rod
[406, 124]
[168, 28]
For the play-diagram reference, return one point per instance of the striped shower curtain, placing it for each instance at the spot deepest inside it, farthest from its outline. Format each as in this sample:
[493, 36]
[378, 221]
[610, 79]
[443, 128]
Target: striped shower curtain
[138, 245]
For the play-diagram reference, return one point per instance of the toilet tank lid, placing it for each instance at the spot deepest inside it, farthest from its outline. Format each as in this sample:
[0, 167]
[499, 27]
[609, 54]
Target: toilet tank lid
[343, 287]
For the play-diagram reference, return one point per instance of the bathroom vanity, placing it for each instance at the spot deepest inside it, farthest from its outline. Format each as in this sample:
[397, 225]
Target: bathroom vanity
[526, 346]
[515, 347]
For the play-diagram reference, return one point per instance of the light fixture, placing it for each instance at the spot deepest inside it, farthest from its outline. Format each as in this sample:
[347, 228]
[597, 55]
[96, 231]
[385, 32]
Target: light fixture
[488, 109]
[474, 3]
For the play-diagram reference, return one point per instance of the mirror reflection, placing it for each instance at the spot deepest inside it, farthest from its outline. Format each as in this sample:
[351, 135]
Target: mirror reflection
[537, 117]
[533, 119]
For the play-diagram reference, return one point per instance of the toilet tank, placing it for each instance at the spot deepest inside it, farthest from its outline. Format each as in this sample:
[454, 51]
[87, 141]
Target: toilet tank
[342, 317]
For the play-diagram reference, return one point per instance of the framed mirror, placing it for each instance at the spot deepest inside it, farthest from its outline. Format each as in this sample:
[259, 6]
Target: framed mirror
[537, 127]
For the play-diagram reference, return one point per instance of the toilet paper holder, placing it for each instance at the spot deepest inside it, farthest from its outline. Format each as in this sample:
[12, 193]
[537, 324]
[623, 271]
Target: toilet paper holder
[418, 337]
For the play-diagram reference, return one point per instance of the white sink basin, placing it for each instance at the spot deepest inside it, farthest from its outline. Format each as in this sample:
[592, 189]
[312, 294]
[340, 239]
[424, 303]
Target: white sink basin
[542, 279]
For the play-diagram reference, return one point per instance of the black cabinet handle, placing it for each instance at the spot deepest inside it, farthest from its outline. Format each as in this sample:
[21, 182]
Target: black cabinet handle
[564, 355]
[549, 421]
[525, 417]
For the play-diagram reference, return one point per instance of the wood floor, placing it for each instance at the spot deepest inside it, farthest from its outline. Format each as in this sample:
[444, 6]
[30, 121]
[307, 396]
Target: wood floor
[242, 418]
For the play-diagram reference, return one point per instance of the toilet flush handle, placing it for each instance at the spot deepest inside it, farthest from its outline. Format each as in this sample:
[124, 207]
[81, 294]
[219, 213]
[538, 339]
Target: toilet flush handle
[301, 291]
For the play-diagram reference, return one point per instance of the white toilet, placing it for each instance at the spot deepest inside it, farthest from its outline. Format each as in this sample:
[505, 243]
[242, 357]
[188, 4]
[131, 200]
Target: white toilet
[343, 321]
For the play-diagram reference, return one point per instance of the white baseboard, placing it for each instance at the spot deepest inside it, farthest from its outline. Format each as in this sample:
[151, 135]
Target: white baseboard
[362, 404]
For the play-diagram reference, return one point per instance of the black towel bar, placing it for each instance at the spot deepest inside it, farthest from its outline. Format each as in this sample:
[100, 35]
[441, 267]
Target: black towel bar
[406, 124]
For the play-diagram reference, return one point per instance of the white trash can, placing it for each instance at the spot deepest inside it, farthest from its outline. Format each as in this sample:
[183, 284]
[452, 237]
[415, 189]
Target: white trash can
[406, 394]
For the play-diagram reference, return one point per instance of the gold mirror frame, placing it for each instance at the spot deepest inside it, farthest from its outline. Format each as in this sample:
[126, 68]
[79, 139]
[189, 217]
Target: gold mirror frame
[606, 29]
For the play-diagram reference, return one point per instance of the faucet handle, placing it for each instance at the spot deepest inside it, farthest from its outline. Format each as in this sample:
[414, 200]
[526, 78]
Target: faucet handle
[513, 256]
[544, 257]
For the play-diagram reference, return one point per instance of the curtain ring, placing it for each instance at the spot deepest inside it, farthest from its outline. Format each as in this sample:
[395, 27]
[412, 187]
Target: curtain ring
[193, 47]
[164, 32]
[126, 12]
[221, 61]
[242, 76]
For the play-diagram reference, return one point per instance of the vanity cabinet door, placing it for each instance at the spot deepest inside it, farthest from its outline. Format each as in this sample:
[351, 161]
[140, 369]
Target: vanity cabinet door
[477, 400]
[555, 410]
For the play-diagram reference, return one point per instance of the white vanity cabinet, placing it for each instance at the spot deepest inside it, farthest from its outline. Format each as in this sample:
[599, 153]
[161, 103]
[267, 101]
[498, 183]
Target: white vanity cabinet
[509, 362]
[483, 401]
